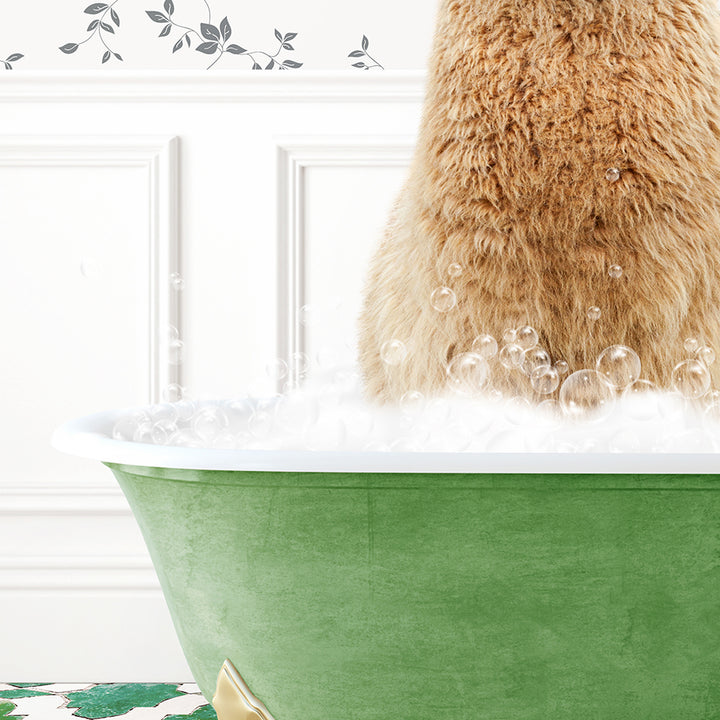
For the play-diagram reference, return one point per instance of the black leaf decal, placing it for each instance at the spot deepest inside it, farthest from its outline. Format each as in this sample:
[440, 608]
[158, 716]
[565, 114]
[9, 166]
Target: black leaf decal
[256, 66]
[95, 8]
[156, 16]
[7, 65]
[187, 39]
[69, 48]
[207, 47]
[106, 56]
[270, 65]
[360, 64]
[107, 28]
[290, 36]
[169, 7]
[118, 56]
[291, 64]
[278, 35]
[93, 25]
[235, 49]
[210, 32]
[115, 17]
[177, 45]
[365, 43]
[14, 57]
[356, 53]
[288, 46]
[225, 29]
[165, 31]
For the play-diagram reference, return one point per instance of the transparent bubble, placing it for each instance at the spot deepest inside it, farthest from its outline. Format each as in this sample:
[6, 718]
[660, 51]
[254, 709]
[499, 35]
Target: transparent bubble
[185, 438]
[516, 410]
[177, 282]
[185, 409]
[551, 408]
[594, 313]
[162, 431]
[443, 299]
[562, 367]
[307, 315]
[144, 433]
[90, 268]
[712, 412]
[455, 270]
[173, 393]
[691, 379]
[615, 272]
[586, 394]
[619, 365]
[208, 421]
[163, 412]
[277, 369]
[612, 174]
[172, 333]
[711, 396]
[485, 345]
[299, 364]
[640, 400]
[126, 426]
[509, 336]
[545, 379]
[526, 337]
[412, 402]
[176, 352]
[691, 345]
[534, 359]
[511, 356]
[260, 424]
[393, 352]
[467, 374]
[706, 355]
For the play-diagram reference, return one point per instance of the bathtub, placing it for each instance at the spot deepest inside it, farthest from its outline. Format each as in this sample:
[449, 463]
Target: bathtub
[359, 586]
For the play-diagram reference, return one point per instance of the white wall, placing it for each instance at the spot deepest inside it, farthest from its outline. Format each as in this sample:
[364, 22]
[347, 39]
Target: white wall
[266, 192]
[327, 31]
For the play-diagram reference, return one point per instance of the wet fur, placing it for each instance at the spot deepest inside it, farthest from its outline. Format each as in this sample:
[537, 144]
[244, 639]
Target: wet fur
[528, 104]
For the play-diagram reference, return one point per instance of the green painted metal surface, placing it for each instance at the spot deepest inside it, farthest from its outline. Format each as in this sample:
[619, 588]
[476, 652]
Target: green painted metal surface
[493, 597]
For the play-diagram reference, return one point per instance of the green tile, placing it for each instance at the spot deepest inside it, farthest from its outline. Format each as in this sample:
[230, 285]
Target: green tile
[26, 685]
[21, 693]
[109, 700]
[205, 712]
[6, 708]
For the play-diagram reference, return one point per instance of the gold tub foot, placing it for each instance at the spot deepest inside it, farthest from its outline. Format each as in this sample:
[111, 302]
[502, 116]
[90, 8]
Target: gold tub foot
[233, 699]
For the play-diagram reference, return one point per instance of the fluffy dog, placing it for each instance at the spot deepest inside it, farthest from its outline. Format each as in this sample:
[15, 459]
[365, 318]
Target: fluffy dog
[559, 139]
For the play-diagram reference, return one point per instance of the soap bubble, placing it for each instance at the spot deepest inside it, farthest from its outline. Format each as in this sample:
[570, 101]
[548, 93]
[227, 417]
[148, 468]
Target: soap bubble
[443, 299]
[277, 369]
[455, 270]
[509, 336]
[517, 410]
[639, 401]
[691, 345]
[691, 379]
[511, 356]
[393, 352]
[176, 351]
[144, 433]
[90, 268]
[172, 333]
[594, 313]
[185, 409]
[612, 174]
[260, 424]
[208, 421]
[615, 272]
[307, 315]
[163, 412]
[619, 365]
[299, 364]
[174, 392]
[526, 337]
[706, 355]
[534, 359]
[485, 345]
[545, 379]
[586, 393]
[177, 282]
[126, 426]
[562, 367]
[467, 374]
[412, 402]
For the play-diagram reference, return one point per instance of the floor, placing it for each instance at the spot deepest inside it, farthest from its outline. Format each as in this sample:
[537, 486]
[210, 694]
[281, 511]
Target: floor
[130, 701]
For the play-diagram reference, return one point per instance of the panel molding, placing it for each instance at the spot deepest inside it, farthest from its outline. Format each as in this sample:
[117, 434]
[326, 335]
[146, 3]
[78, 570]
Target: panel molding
[295, 155]
[399, 86]
[158, 156]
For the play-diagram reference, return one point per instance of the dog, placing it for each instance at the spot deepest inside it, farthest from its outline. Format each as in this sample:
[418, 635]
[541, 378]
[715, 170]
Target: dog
[566, 177]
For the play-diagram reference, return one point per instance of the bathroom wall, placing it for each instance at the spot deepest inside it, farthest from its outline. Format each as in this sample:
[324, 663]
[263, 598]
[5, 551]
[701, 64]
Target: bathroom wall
[149, 34]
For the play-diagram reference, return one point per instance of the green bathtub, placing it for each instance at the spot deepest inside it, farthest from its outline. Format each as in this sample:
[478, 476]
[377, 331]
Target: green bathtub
[415, 593]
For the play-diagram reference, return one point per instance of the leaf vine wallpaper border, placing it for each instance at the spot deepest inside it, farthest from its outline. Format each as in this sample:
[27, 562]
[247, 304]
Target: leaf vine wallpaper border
[197, 30]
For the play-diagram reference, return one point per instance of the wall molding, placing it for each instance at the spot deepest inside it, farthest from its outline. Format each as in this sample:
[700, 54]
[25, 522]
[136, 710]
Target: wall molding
[295, 155]
[223, 86]
[158, 156]
[62, 501]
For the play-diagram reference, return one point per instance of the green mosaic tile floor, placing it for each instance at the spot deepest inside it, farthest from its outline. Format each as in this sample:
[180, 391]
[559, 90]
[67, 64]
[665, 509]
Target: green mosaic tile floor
[130, 701]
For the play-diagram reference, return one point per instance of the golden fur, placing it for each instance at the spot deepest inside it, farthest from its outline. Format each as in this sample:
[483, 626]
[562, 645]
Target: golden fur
[528, 105]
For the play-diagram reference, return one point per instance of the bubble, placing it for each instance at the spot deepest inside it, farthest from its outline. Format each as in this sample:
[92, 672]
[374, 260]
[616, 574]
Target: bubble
[511, 356]
[615, 272]
[545, 379]
[509, 336]
[586, 393]
[455, 270]
[551, 408]
[162, 431]
[712, 412]
[612, 174]
[208, 421]
[163, 412]
[516, 410]
[467, 374]
[534, 359]
[485, 346]
[691, 379]
[412, 402]
[260, 424]
[185, 409]
[691, 345]
[639, 400]
[307, 315]
[594, 313]
[172, 333]
[177, 282]
[562, 367]
[125, 427]
[706, 355]
[144, 433]
[393, 352]
[176, 352]
[526, 337]
[299, 364]
[174, 392]
[185, 438]
[619, 365]
[90, 268]
[277, 369]
[443, 299]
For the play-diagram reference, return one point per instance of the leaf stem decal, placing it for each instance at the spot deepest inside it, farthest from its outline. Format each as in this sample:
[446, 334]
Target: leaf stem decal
[10, 59]
[364, 53]
[215, 40]
[99, 27]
